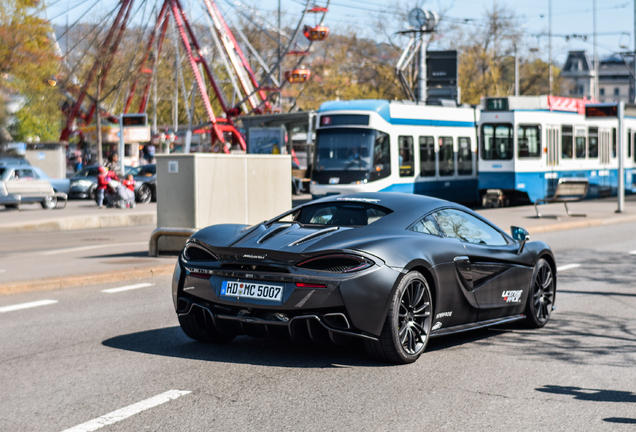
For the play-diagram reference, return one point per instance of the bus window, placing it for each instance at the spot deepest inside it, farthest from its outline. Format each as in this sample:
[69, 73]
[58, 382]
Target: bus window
[529, 141]
[614, 142]
[427, 156]
[464, 156]
[592, 149]
[496, 142]
[446, 156]
[567, 150]
[405, 144]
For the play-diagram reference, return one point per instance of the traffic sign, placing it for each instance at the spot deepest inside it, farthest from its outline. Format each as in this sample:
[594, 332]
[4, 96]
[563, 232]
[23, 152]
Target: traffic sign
[134, 120]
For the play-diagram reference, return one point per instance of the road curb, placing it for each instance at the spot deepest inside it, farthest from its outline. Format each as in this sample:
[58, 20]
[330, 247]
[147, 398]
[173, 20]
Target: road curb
[87, 279]
[82, 222]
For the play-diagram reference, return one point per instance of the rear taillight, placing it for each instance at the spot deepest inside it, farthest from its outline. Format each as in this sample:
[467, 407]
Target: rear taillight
[195, 253]
[336, 263]
[309, 285]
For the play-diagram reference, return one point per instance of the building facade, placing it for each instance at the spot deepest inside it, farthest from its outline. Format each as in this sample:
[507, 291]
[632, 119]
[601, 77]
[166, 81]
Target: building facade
[614, 78]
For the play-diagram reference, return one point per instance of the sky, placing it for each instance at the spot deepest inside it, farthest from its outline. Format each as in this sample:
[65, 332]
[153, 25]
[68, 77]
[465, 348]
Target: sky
[615, 18]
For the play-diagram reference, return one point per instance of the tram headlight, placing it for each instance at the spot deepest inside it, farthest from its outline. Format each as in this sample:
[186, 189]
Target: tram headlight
[359, 182]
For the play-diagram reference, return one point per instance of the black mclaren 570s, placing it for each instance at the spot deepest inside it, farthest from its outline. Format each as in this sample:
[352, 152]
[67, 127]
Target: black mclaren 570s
[392, 269]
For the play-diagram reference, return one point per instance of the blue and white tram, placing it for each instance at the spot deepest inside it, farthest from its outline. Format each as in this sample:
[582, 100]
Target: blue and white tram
[529, 142]
[377, 145]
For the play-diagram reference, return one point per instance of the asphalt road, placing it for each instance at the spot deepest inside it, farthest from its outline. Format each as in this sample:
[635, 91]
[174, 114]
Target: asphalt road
[115, 357]
[40, 255]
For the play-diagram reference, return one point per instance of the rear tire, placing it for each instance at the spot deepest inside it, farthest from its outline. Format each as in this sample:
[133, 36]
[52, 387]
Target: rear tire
[195, 325]
[12, 206]
[92, 192]
[541, 296]
[408, 324]
[144, 194]
[48, 203]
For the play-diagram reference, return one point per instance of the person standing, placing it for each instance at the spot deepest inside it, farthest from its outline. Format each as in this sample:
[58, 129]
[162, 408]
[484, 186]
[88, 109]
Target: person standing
[102, 184]
[113, 166]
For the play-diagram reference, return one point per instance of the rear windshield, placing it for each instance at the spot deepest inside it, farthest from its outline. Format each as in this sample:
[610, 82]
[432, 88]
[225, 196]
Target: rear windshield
[340, 214]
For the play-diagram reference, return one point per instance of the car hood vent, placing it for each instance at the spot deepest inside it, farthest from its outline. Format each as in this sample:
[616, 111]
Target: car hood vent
[271, 233]
[314, 236]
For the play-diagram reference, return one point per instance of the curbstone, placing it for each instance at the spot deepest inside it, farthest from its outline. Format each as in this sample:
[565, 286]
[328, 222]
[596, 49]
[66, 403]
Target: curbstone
[82, 222]
[86, 279]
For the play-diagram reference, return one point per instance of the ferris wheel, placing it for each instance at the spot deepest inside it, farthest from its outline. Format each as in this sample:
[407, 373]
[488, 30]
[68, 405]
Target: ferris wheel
[240, 76]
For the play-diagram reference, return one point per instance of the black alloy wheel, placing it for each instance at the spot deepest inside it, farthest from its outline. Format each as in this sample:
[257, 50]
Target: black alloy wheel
[408, 324]
[541, 298]
[144, 194]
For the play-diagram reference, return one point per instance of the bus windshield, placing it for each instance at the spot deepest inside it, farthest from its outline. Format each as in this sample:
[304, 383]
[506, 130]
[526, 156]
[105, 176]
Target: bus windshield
[351, 154]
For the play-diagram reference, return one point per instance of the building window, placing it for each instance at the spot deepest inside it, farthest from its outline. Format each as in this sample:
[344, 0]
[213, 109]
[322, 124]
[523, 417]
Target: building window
[617, 91]
[602, 92]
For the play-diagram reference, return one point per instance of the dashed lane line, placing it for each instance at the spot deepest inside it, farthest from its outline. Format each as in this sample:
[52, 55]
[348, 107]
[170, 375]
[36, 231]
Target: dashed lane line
[128, 411]
[632, 252]
[26, 305]
[127, 287]
[568, 267]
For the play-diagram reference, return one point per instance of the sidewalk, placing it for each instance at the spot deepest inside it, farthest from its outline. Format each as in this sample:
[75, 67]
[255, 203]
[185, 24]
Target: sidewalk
[598, 212]
[78, 214]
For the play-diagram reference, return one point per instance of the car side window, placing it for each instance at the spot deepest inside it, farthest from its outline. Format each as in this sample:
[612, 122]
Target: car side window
[426, 225]
[467, 228]
[25, 174]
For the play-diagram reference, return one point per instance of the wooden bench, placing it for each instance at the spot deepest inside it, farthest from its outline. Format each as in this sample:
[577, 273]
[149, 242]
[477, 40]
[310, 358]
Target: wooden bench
[567, 190]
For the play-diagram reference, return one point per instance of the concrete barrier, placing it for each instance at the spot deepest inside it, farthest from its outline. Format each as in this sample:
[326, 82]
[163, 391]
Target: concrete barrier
[197, 190]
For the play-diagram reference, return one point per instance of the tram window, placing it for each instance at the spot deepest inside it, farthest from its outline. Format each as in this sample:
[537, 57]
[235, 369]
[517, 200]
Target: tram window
[496, 142]
[407, 161]
[614, 142]
[381, 157]
[629, 143]
[592, 149]
[580, 147]
[446, 156]
[529, 141]
[464, 156]
[427, 156]
[567, 150]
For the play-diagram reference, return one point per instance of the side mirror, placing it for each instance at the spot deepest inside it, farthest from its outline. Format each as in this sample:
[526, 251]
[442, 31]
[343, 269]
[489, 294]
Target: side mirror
[521, 236]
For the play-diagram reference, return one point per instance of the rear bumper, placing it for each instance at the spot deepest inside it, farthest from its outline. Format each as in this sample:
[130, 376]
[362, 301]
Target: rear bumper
[361, 299]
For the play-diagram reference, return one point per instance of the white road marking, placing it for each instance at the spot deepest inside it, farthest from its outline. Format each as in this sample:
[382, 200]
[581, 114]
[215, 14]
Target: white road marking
[568, 267]
[27, 305]
[632, 252]
[2, 270]
[127, 287]
[128, 411]
[83, 248]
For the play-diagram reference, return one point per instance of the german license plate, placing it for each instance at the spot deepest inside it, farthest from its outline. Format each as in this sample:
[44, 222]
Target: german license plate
[252, 290]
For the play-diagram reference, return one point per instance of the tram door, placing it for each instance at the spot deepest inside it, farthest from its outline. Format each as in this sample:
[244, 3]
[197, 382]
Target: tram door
[553, 156]
[604, 151]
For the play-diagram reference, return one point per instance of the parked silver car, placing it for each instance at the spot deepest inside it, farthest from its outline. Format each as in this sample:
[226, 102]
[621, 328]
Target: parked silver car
[21, 184]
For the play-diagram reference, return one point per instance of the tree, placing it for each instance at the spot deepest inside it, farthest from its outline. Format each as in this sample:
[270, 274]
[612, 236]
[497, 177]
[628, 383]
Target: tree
[27, 62]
